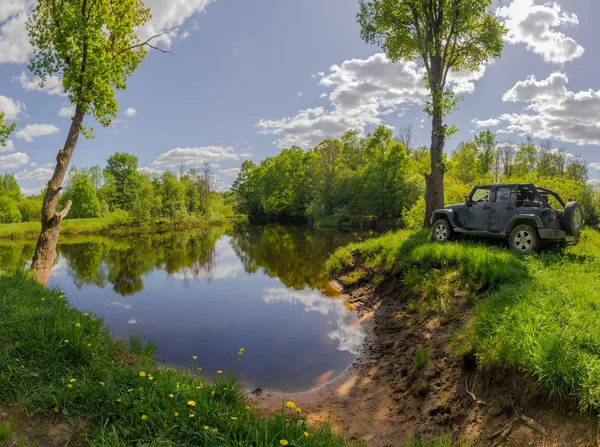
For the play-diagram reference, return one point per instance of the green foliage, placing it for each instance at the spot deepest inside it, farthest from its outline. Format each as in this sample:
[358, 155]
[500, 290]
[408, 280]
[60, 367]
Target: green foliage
[5, 129]
[421, 358]
[9, 210]
[124, 180]
[31, 208]
[84, 197]
[56, 360]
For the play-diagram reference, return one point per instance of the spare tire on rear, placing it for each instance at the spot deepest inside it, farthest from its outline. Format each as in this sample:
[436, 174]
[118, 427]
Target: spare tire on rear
[573, 218]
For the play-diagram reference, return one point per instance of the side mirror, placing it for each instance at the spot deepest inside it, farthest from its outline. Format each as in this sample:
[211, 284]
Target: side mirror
[467, 200]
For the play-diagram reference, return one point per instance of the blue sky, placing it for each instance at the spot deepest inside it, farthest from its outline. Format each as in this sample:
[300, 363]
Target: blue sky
[249, 77]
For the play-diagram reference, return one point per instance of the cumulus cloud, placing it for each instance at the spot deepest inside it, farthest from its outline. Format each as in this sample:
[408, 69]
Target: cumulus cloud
[553, 111]
[149, 171]
[361, 93]
[595, 166]
[14, 160]
[41, 174]
[52, 85]
[231, 172]
[9, 146]
[485, 123]
[131, 112]
[10, 107]
[536, 26]
[195, 156]
[32, 131]
[14, 41]
[67, 112]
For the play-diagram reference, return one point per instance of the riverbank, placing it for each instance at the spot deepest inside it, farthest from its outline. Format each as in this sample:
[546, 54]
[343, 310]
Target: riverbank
[469, 340]
[59, 364]
[116, 224]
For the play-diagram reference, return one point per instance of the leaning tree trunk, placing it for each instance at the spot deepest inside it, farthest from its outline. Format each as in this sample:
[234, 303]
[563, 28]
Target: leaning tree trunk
[434, 182]
[45, 251]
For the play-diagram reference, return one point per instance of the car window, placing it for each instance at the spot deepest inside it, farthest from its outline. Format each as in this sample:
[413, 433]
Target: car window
[481, 195]
[505, 194]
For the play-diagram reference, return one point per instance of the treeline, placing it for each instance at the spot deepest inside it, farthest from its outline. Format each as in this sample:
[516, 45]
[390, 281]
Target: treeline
[382, 176]
[122, 190]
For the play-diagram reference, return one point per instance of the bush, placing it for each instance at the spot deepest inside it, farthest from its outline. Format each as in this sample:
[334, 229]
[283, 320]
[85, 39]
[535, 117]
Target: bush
[9, 210]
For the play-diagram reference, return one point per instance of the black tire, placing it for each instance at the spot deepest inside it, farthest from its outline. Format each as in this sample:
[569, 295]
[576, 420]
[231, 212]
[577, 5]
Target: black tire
[573, 218]
[524, 239]
[442, 230]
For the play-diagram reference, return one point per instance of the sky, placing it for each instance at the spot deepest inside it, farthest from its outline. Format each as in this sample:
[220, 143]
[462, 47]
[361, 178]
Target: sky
[247, 78]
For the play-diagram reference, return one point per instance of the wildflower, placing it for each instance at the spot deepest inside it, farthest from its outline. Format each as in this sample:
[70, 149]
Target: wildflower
[102, 383]
[69, 386]
[247, 407]
[220, 372]
[22, 367]
[130, 390]
[142, 374]
[150, 378]
[506, 308]
[291, 405]
[85, 314]
[17, 360]
[212, 393]
[283, 442]
[214, 430]
[72, 380]
[144, 417]
[56, 410]
[43, 299]
[233, 418]
[206, 428]
[66, 341]
[61, 297]
[199, 369]
[195, 357]
[199, 387]
[191, 415]
[171, 396]
[89, 345]
[298, 410]
[225, 389]
[176, 414]
[306, 434]
[242, 350]
[118, 400]
[78, 325]
[191, 403]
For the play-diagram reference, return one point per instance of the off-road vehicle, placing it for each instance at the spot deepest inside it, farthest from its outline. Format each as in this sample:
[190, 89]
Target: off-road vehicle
[520, 212]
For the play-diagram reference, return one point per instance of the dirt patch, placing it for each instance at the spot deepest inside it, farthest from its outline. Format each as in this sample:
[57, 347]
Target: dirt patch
[408, 380]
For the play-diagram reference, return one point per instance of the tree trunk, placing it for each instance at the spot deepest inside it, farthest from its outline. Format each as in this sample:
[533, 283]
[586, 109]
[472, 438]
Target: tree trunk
[45, 251]
[434, 182]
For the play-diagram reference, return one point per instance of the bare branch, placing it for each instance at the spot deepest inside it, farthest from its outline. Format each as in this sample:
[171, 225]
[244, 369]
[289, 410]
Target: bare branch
[65, 211]
[147, 43]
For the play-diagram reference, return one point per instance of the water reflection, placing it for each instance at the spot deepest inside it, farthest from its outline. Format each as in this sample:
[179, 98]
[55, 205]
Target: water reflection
[211, 292]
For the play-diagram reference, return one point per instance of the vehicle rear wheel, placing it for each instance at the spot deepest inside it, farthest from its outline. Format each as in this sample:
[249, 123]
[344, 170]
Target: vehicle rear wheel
[442, 230]
[524, 239]
[573, 218]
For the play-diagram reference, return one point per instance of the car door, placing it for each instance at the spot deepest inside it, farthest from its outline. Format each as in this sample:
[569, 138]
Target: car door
[503, 207]
[477, 215]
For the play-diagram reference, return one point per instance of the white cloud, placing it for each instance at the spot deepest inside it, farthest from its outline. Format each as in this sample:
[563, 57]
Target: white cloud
[195, 156]
[67, 112]
[14, 160]
[170, 16]
[595, 166]
[362, 91]
[536, 26]
[231, 172]
[14, 41]
[9, 146]
[52, 86]
[41, 174]
[131, 112]
[300, 94]
[10, 107]
[485, 123]
[32, 131]
[554, 112]
[149, 171]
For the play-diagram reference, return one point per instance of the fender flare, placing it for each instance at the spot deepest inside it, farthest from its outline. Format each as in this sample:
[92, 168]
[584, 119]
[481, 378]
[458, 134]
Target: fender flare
[519, 219]
[448, 214]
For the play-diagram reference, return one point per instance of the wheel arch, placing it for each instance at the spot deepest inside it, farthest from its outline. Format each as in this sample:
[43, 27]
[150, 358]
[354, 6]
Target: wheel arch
[524, 219]
[449, 215]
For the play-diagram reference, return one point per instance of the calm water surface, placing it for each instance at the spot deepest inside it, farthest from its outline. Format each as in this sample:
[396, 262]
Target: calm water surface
[209, 294]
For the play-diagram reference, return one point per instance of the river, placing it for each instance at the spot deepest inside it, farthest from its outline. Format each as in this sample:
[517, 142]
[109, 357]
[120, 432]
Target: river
[209, 293]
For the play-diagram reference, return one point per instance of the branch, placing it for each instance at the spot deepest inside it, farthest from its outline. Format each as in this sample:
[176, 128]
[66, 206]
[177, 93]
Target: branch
[60, 216]
[147, 43]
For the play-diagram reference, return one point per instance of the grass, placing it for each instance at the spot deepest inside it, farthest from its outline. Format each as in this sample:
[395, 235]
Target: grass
[5, 431]
[435, 441]
[60, 362]
[537, 314]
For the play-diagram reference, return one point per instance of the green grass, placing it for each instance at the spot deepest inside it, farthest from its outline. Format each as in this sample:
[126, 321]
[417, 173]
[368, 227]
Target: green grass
[537, 314]
[433, 441]
[421, 358]
[5, 431]
[58, 361]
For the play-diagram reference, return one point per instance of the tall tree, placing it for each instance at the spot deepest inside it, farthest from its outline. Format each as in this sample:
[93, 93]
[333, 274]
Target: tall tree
[123, 168]
[93, 46]
[445, 36]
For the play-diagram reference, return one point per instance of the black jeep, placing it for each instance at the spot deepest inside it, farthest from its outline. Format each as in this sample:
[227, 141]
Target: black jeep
[521, 213]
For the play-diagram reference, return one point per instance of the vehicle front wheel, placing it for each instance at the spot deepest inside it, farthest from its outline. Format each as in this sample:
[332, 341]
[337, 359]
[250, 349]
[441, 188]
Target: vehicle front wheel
[442, 230]
[525, 239]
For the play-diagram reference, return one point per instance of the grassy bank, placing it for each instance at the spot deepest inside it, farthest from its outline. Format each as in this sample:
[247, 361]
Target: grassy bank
[537, 314]
[115, 224]
[60, 362]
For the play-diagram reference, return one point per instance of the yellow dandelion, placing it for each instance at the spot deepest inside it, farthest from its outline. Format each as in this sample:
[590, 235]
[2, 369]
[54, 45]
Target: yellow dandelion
[150, 378]
[199, 369]
[506, 308]
[43, 299]
[220, 371]
[247, 407]
[144, 417]
[61, 297]
[130, 390]
[69, 386]
[171, 396]
[214, 430]
[298, 410]
[212, 393]
[199, 387]
[176, 414]
[78, 325]
[225, 389]
[283, 442]
[233, 418]
[191, 403]
[102, 383]
[89, 345]
[85, 314]
[195, 357]
[66, 341]
[72, 380]
[118, 400]
[192, 415]
[306, 434]
[56, 410]
[291, 405]
[22, 367]
[142, 374]
[206, 428]
[17, 360]
[242, 350]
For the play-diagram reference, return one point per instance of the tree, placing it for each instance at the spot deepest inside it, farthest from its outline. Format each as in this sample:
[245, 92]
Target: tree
[82, 194]
[123, 168]
[173, 197]
[464, 160]
[323, 164]
[445, 36]
[9, 210]
[10, 187]
[94, 47]
[5, 129]
[486, 143]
